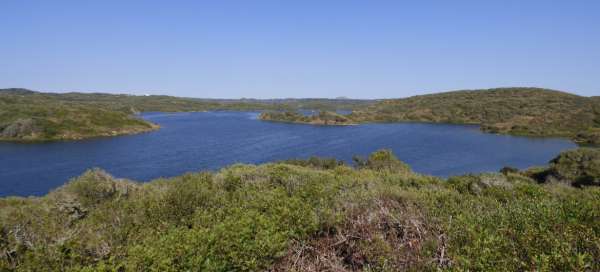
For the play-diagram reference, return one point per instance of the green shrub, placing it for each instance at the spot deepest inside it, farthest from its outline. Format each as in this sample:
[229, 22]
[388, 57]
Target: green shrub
[287, 217]
[580, 167]
[382, 160]
[96, 186]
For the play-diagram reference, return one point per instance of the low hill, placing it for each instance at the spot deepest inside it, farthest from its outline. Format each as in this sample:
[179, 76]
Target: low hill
[313, 215]
[518, 111]
[25, 116]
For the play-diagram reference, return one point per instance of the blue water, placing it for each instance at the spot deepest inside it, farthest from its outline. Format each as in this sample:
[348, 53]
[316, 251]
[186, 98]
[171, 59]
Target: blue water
[210, 140]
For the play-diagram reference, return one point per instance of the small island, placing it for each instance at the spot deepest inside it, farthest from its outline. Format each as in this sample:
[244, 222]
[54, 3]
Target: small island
[321, 118]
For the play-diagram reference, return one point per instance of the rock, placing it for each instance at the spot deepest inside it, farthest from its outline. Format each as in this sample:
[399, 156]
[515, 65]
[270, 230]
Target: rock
[509, 170]
[73, 209]
[486, 181]
[20, 128]
[590, 137]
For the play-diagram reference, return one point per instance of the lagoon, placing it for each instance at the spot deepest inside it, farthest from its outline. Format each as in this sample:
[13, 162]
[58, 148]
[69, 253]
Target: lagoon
[199, 141]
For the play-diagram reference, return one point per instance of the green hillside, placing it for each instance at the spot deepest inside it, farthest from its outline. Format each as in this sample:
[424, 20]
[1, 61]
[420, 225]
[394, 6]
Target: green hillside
[519, 111]
[26, 116]
[516, 111]
[313, 215]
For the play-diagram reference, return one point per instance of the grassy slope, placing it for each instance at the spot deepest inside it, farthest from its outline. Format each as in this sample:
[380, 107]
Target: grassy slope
[520, 111]
[313, 215]
[32, 117]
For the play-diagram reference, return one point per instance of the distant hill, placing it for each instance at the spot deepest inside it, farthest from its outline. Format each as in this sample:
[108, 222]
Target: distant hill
[519, 111]
[16, 91]
[147, 103]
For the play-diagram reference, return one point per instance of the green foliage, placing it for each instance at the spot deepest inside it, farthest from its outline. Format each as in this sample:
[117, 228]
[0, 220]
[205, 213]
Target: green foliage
[321, 118]
[519, 111]
[37, 117]
[533, 229]
[590, 136]
[580, 166]
[382, 160]
[96, 186]
[316, 162]
[312, 215]
[284, 116]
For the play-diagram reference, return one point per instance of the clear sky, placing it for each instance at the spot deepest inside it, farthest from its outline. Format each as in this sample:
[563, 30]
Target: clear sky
[265, 49]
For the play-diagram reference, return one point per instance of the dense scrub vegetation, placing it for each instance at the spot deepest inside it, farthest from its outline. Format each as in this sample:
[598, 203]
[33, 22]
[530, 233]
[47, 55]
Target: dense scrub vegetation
[28, 115]
[520, 111]
[576, 168]
[312, 215]
[517, 111]
[320, 118]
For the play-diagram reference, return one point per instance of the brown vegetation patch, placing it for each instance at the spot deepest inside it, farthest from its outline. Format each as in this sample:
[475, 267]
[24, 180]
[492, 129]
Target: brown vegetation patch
[389, 236]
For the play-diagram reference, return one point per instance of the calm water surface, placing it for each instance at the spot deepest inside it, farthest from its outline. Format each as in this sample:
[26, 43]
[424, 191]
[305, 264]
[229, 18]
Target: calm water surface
[211, 140]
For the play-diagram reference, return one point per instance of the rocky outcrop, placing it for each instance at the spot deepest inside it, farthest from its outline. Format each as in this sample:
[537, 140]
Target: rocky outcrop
[486, 181]
[579, 167]
[589, 137]
[20, 129]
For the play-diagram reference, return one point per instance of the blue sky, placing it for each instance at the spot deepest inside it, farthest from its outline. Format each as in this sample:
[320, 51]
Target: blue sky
[266, 49]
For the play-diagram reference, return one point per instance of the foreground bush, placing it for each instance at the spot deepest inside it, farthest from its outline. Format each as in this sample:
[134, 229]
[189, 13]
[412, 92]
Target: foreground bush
[579, 167]
[305, 216]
